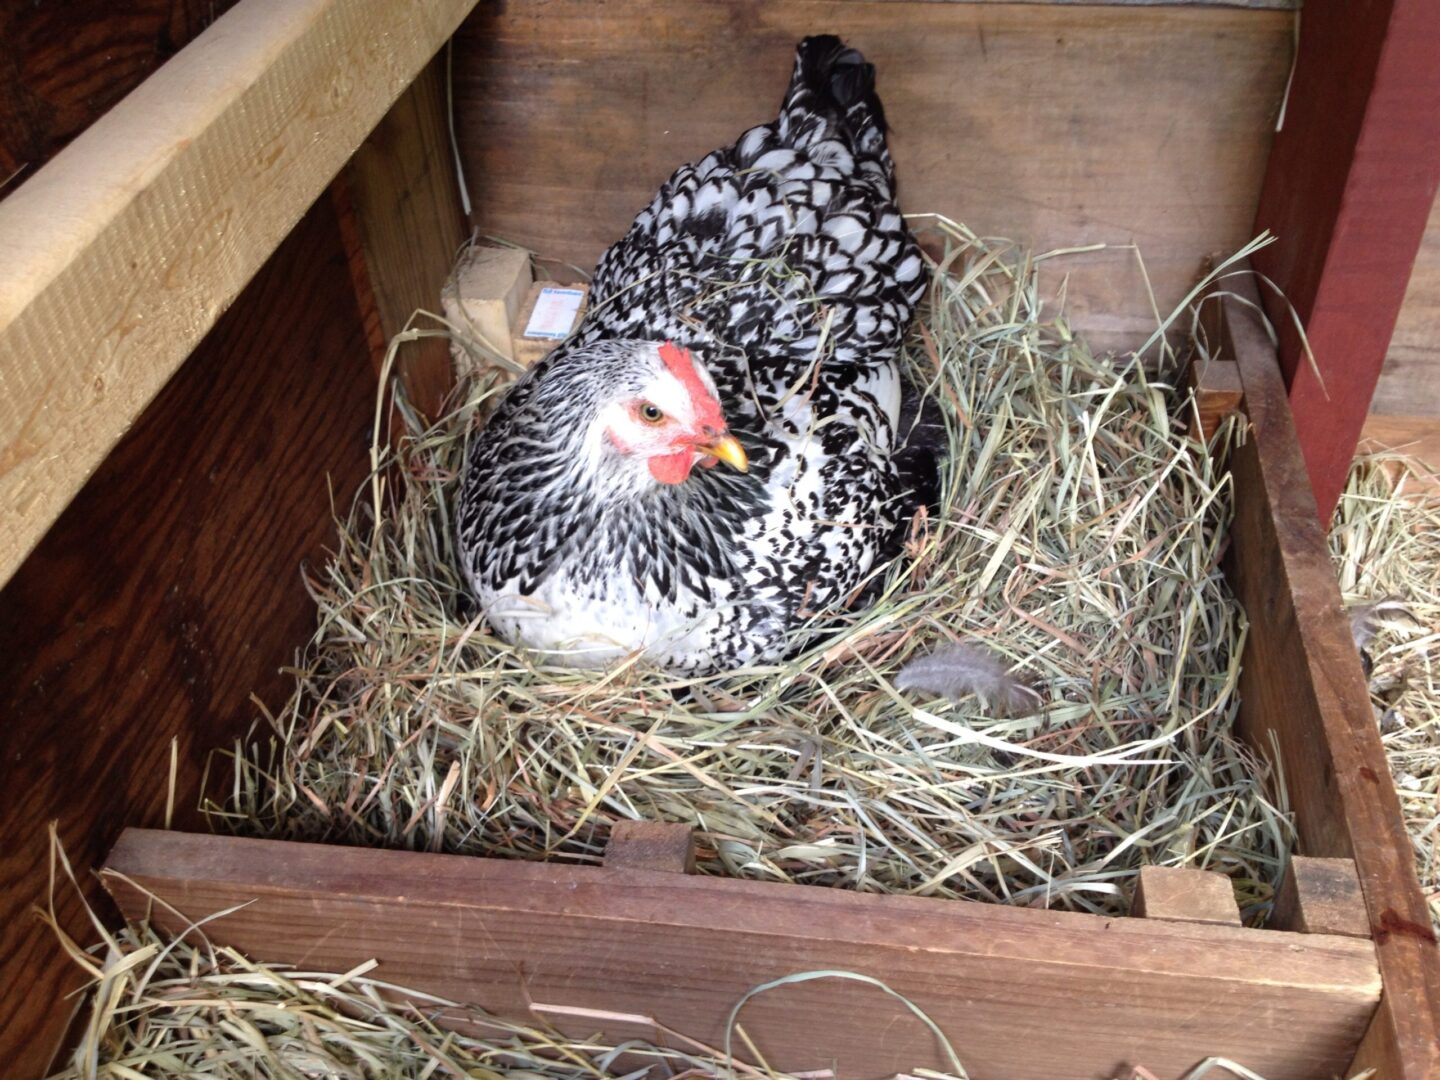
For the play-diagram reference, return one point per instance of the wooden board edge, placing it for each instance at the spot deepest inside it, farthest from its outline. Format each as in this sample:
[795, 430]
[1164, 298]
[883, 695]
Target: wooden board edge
[123, 250]
[1303, 694]
[656, 941]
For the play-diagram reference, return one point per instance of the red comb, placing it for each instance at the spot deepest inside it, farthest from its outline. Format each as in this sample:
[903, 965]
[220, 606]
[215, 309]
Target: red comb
[682, 365]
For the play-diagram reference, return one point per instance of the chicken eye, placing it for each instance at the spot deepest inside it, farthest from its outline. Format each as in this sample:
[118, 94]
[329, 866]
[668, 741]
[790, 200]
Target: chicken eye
[651, 414]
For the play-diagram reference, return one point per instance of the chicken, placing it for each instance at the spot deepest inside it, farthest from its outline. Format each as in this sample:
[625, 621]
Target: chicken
[718, 454]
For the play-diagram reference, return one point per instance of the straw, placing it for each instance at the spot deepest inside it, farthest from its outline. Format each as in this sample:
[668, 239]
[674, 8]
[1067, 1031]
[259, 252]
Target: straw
[1385, 539]
[1079, 536]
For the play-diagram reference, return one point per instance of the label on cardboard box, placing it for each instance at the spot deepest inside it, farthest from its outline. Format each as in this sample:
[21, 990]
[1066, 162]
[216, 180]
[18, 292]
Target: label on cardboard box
[554, 314]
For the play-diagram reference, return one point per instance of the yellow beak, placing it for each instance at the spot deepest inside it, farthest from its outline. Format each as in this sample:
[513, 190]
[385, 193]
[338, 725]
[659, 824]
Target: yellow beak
[728, 450]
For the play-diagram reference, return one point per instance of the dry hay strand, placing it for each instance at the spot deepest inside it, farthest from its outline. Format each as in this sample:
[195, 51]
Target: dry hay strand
[1079, 536]
[1385, 540]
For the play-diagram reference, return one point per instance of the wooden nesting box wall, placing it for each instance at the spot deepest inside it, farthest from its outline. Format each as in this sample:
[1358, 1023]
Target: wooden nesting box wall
[188, 355]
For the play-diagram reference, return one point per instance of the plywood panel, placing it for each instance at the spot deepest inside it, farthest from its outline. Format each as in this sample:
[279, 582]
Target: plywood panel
[1053, 125]
[1024, 994]
[1410, 381]
[166, 594]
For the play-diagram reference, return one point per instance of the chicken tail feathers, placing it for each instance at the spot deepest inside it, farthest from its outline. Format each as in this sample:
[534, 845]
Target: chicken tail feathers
[833, 89]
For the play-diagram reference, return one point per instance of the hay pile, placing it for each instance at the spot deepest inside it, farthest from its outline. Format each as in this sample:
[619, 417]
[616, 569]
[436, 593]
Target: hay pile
[1079, 536]
[1385, 540]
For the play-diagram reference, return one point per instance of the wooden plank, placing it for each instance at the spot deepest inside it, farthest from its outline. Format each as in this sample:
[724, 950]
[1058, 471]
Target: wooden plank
[1053, 125]
[1303, 695]
[683, 949]
[651, 845]
[1321, 896]
[167, 592]
[1349, 188]
[1180, 894]
[407, 206]
[1410, 380]
[125, 248]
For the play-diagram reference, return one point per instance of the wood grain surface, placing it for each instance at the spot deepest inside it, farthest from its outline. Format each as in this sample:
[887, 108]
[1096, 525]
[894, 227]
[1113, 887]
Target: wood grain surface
[121, 252]
[1303, 695]
[409, 225]
[1051, 125]
[63, 66]
[166, 594]
[510, 935]
[1410, 380]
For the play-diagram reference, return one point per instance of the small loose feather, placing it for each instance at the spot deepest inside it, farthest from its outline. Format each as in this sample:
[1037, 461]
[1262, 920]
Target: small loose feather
[957, 670]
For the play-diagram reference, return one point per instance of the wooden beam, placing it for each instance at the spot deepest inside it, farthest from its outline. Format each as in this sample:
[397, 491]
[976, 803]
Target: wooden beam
[1302, 693]
[683, 949]
[402, 184]
[1348, 190]
[125, 248]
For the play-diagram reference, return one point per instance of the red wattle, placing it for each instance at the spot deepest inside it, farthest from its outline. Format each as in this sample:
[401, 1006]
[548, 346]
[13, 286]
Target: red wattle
[671, 468]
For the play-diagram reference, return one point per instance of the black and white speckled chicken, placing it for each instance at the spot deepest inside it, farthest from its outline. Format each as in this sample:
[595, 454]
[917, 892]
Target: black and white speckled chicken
[752, 316]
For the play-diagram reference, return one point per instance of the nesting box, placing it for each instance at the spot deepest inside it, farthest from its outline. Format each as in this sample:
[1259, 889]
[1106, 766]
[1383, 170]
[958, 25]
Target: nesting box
[193, 312]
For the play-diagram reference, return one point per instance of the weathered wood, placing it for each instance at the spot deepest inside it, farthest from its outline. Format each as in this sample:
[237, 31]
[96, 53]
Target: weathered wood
[651, 845]
[122, 251]
[1302, 693]
[63, 65]
[1053, 125]
[407, 207]
[166, 594]
[1348, 190]
[683, 949]
[1410, 379]
[1321, 896]
[1218, 392]
[1180, 894]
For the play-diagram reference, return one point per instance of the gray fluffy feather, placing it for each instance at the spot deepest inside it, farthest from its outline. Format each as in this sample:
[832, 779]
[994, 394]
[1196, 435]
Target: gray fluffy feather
[958, 670]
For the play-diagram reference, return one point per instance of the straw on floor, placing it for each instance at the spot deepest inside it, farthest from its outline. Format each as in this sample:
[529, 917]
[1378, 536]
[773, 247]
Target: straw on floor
[1385, 540]
[1079, 536]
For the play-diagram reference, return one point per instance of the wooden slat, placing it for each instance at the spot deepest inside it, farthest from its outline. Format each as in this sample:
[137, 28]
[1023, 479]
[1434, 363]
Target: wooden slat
[166, 594]
[1053, 125]
[683, 949]
[1321, 896]
[1302, 693]
[651, 845]
[1218, 393]
[1182, 894]
[1348, 190]
[123, 250]
[407, 208]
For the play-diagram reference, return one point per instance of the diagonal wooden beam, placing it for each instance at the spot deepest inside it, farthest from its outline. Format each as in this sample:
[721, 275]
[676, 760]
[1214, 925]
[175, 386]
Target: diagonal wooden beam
[123, 250]
[1348, 190]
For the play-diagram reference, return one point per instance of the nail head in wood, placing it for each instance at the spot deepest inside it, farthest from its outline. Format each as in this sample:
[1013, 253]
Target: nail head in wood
[1321, 896]
[651, 845]
[1176, 894]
